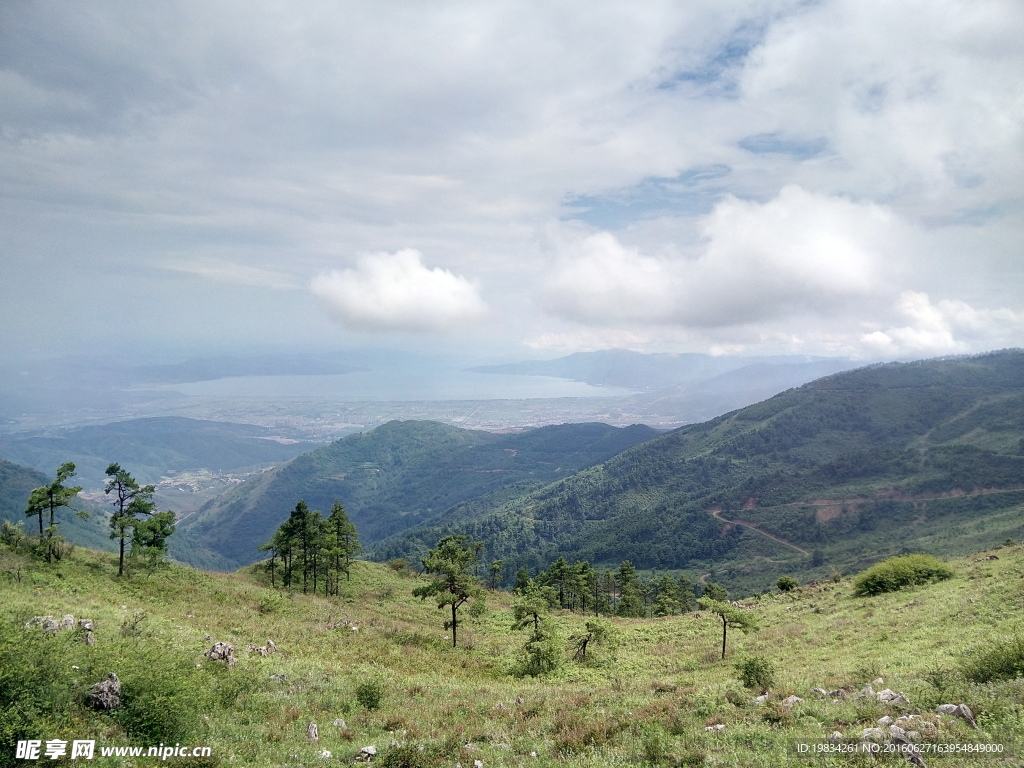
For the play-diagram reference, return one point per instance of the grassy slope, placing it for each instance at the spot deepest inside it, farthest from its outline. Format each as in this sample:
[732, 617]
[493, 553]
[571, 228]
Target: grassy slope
[858, 465]
[608, 713]
[399, 474]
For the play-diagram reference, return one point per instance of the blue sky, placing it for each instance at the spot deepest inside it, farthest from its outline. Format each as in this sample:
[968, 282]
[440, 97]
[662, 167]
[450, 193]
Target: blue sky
[839, 177]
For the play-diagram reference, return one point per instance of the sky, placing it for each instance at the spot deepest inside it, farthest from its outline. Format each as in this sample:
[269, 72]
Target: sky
[513, 179]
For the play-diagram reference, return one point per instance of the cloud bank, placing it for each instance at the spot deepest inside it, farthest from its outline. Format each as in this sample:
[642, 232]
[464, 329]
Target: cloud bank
[397, 292]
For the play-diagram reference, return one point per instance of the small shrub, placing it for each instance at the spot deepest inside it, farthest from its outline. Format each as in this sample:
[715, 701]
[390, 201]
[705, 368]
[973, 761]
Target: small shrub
[1002, 661]
[756, 673]
[787, 584]
[370, 694]
[410, 756]
[899, 572]
[478, 609]
[269, 602]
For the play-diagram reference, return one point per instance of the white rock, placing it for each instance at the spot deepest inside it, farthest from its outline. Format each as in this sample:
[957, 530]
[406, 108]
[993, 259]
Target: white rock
[789, 701]
[719, 727]
[325, 753]
[884, 721]
[370, 751]
[878, 681]
[872, 734]
[761, 699]
[895, 730]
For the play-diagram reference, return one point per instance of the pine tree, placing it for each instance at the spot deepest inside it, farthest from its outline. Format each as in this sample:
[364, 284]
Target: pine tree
[687, 598]
[629, 592]
[667, 601]
[452, 562]
[50, 498]
[343, 542]
[731, 616]
[131, 503]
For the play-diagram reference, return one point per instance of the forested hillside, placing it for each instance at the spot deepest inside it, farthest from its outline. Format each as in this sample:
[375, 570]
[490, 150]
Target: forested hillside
[836, 473]
[399, 475]
[16, 484]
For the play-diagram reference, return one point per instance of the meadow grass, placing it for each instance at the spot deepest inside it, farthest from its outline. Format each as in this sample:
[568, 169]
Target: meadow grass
[648, 701]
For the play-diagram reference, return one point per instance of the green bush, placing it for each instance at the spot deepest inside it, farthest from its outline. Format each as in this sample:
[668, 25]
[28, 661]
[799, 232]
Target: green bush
[370, 694]
[411, 756]
[1002, 661]
[756, 673]
[787, 583]
[899, 572]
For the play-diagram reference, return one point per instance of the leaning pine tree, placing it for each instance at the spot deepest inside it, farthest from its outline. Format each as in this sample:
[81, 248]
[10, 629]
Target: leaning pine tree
[731, 616]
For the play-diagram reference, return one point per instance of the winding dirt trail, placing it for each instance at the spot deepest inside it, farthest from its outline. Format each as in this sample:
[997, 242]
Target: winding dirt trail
[718, 516]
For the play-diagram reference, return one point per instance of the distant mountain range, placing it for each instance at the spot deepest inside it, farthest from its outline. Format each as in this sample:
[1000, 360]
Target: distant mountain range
[151, 448]
[647, 372]
[839, 472]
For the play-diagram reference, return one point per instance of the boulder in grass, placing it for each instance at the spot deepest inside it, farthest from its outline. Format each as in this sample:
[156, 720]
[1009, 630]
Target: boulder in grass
[958, 710]
[222, 652]
[105, 695]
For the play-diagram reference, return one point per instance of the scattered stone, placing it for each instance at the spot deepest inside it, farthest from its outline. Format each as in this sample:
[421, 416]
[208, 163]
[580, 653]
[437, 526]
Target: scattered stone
[339, 723]
[884, 721]
[67, 621]
[325, 754]
[366, 754]
[85, 625]
[895, 730]
[279, 677]
[222, 652]
[891, 697]
[838, 693]
[533, 754]
[867, 690]
[820, 692]
[878, 681]
[992, 557]
[478, 764]
[958, 710]
[312, 732]
[271, 646]
[790, 701]
[519, 700]
[835, 737]
[105, 695]
[761, 699]
[872, 734]
[207, 638]
[719, 727]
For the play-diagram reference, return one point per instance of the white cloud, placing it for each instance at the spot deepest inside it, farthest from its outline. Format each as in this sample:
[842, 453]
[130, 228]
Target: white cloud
[397, 292]
[945, 327]
[799, 252]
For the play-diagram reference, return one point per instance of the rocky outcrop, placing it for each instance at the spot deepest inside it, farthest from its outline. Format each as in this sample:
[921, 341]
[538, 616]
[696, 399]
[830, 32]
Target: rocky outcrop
[105, 695]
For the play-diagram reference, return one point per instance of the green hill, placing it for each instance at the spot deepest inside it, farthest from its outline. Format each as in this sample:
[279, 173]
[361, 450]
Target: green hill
[373, 667]
[17, 483]
[836, 473]
[399, 475]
